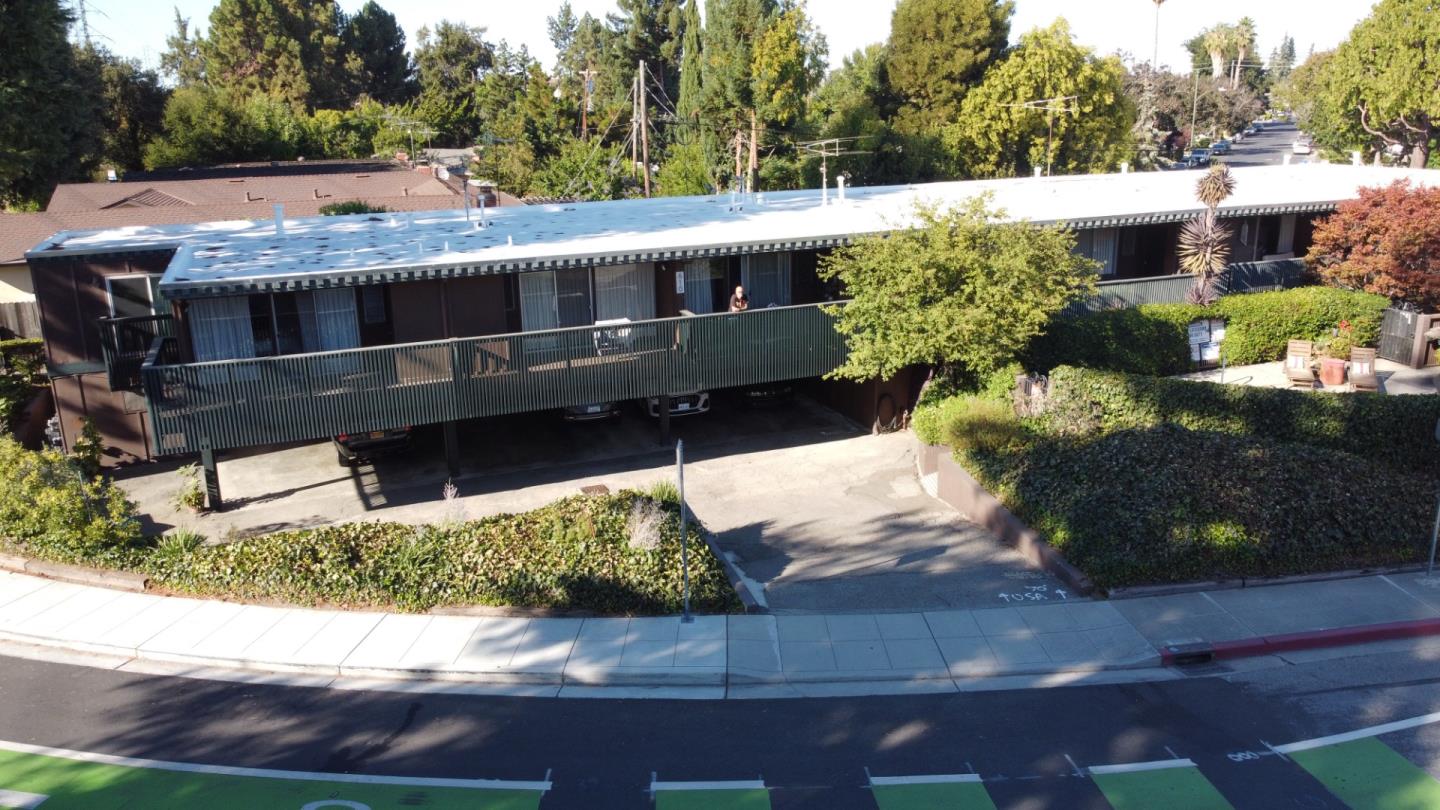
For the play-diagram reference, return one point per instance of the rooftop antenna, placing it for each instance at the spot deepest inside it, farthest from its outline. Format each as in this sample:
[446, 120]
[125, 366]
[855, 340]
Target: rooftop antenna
[826, 149]
[1051, 106]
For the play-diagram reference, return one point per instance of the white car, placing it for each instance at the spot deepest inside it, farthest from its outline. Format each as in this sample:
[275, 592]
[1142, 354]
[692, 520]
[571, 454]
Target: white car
[1300, 148]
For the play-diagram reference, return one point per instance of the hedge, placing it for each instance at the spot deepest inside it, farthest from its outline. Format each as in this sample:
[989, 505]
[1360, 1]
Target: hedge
[1153, 338]
[1166, 504]
[21, 365]
[50, 509]
[572, 554]
[1395, 430]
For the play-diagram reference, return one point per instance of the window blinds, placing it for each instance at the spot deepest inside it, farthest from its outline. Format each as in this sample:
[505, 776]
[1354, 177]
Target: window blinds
[625, 291]
[766, 277]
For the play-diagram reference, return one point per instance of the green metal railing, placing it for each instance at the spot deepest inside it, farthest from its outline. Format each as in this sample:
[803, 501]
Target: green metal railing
[239, 403]
[124, 342]
[1237, 278]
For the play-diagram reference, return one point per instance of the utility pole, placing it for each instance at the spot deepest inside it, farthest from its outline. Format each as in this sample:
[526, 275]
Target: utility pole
[644, 124]
[634, 123]
[739, 141]
[588, 85]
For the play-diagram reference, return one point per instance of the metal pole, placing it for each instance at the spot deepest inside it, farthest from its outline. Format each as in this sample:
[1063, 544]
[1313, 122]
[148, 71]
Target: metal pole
[1434, 536]
[685, 617]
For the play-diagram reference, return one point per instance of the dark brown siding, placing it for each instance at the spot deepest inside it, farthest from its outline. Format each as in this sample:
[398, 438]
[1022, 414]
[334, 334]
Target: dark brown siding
[668, 303]
[71, 295]
[125, 430]
[477, 306]
[418, 311]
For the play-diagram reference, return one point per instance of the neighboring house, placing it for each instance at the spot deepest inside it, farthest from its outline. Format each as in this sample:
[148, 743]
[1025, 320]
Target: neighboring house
[200, 338]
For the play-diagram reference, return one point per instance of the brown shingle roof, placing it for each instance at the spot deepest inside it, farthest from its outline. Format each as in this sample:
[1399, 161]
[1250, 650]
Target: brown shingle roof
[383, 181]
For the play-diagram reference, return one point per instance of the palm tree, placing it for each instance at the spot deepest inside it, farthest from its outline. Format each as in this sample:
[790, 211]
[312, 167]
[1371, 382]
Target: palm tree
[1204, 243]
[1244, 38]
[1217, 44]
[1155, 54]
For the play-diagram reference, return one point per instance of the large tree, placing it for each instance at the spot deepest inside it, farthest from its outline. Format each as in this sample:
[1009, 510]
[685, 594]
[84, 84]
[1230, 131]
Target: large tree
[692, 65]
[1383, 79]
[450, 59]
[286, 49]
[939, 49]
[376, 63]
[962, 288]
[1386, 241]
[130, 103]
[1049, 104]
[181, 60]
[48, 130]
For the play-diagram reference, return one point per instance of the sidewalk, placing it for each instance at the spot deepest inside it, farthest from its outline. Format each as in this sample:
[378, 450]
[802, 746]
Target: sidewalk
[889, 652]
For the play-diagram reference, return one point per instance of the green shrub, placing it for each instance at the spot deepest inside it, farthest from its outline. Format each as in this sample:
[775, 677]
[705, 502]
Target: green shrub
[1395, 430]
[50, 509]
[1167, 504]
[981, 424]
[22, 365]
[1153, 338]
[351, 207]
[574, 554]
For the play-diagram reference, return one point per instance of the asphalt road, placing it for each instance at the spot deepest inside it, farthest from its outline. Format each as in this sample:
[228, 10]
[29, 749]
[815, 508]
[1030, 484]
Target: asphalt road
[1266, 148]
[1027, 745]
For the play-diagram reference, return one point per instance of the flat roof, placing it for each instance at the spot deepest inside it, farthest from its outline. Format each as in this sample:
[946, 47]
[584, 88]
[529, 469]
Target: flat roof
[223, 258]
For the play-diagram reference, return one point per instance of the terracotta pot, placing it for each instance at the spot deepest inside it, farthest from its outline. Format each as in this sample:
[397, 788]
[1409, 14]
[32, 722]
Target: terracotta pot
[1332, 371]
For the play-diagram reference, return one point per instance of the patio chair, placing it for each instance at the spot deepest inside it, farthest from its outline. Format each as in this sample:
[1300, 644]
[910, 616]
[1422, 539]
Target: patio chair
[1362, 370]
[1297, 363]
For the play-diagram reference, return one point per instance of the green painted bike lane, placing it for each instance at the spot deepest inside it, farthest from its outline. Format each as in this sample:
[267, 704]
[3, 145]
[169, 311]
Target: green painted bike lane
[80, 781]
[1176, 785]
[1367, 774]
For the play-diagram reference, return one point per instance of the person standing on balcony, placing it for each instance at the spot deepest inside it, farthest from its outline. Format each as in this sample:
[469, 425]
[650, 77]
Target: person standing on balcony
[738, 301]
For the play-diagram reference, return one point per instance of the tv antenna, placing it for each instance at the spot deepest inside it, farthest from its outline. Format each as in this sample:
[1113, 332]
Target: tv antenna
[826, 149]
[1051, 106]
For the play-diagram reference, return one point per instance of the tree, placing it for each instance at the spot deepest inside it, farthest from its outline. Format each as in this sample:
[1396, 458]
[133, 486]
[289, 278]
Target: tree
[685, 171]
[938, 50]
[788, 63]
[1204, 242]
[206, 125]
[375, 58]
[1383, 80]
[692, 61]
[1386, 241]
[732, 27]
[288, 49]
[48, 131]
[1243, 39]
[650, 31]
[585, 170]
[1049, 103]
[130, 104]
[961, 288]
[181, 60]
[449, 59]
[1282, 59]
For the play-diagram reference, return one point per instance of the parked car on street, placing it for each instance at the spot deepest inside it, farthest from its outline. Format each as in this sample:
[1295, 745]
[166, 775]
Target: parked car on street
[680, 404]
[1300, 147]
[1220, 147]
[353, 448]
[1199, 156]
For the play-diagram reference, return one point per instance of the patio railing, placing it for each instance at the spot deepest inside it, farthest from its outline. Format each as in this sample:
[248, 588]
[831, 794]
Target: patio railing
[124, 342]
[238, 403]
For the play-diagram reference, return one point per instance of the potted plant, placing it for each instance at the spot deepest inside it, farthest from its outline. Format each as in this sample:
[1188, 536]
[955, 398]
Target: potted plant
[1334, 350]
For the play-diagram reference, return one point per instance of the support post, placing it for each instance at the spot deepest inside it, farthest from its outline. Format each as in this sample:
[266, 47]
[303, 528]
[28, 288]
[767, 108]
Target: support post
[452, 449]
[212, 480]
[664, 418]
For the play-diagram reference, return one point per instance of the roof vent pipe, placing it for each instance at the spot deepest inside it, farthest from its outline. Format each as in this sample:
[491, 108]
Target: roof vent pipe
[279, 220]
[1124, 167]
[1355, 158]
[1038, 169]
[840, 187]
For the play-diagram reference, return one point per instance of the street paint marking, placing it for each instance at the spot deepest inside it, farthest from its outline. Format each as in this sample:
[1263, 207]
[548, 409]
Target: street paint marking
[1359, 733]
[1141, 767]
[957, 791]
[735, 794]
[1175, 784]
[1367, 774]
[265, 773]
[1075, 768]
[931, 779]
[16, 800]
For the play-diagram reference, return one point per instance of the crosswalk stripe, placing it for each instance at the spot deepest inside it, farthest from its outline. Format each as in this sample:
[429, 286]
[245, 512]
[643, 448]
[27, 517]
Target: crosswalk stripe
[1137, 767]
[932, 779]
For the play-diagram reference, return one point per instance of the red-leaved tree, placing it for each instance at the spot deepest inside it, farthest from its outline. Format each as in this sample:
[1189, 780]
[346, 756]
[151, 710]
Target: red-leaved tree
[1387, 241]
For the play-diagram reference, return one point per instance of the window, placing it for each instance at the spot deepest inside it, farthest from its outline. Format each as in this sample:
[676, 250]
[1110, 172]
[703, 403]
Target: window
[625, 291]
[135, 294]
[766, 277]
[372, 300]
[705, 287]
[269, 325]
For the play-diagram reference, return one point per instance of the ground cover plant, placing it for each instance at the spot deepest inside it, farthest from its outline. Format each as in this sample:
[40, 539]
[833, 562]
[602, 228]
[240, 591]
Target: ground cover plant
[1140, 480]
[606, 554]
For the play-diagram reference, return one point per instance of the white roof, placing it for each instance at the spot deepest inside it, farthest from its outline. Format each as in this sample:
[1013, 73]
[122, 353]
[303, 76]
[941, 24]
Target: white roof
[230, 257]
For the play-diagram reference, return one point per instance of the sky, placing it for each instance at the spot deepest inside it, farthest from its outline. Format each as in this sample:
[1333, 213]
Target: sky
[137, 28]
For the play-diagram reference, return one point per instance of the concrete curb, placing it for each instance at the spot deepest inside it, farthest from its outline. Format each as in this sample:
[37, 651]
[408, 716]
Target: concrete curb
[1205, 652]
[1143, 591]
[77, 574]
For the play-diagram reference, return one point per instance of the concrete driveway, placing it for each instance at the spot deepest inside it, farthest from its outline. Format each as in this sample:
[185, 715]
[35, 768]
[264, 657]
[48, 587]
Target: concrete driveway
[822, 516]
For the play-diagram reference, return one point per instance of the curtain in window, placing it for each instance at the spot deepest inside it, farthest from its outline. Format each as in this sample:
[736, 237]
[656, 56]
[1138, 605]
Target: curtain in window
[572, 297]
[336, 325]
[700, 276]
[1103, 250]
[625, 291]
[220, 328]
[766, 277]
[537, 301]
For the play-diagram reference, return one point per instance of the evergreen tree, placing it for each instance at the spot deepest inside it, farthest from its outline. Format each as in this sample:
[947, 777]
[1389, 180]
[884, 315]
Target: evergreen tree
[450, 59]
[181, 60]
[727, 99]
[376, 62]
[287, 49]
[939, 49]
[129, 103]
[692, 59]
[651, 31]
[48, 132]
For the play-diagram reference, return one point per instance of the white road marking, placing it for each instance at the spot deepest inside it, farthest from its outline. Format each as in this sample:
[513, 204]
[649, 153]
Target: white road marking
[1076, 769]
[265, 773]
[1358, 734]
[931, 779]
[736, 784]
[1138, 767]
[21, 801]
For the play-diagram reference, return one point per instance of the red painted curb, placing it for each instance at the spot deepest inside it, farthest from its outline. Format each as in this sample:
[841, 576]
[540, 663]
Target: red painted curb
[1178, 654]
